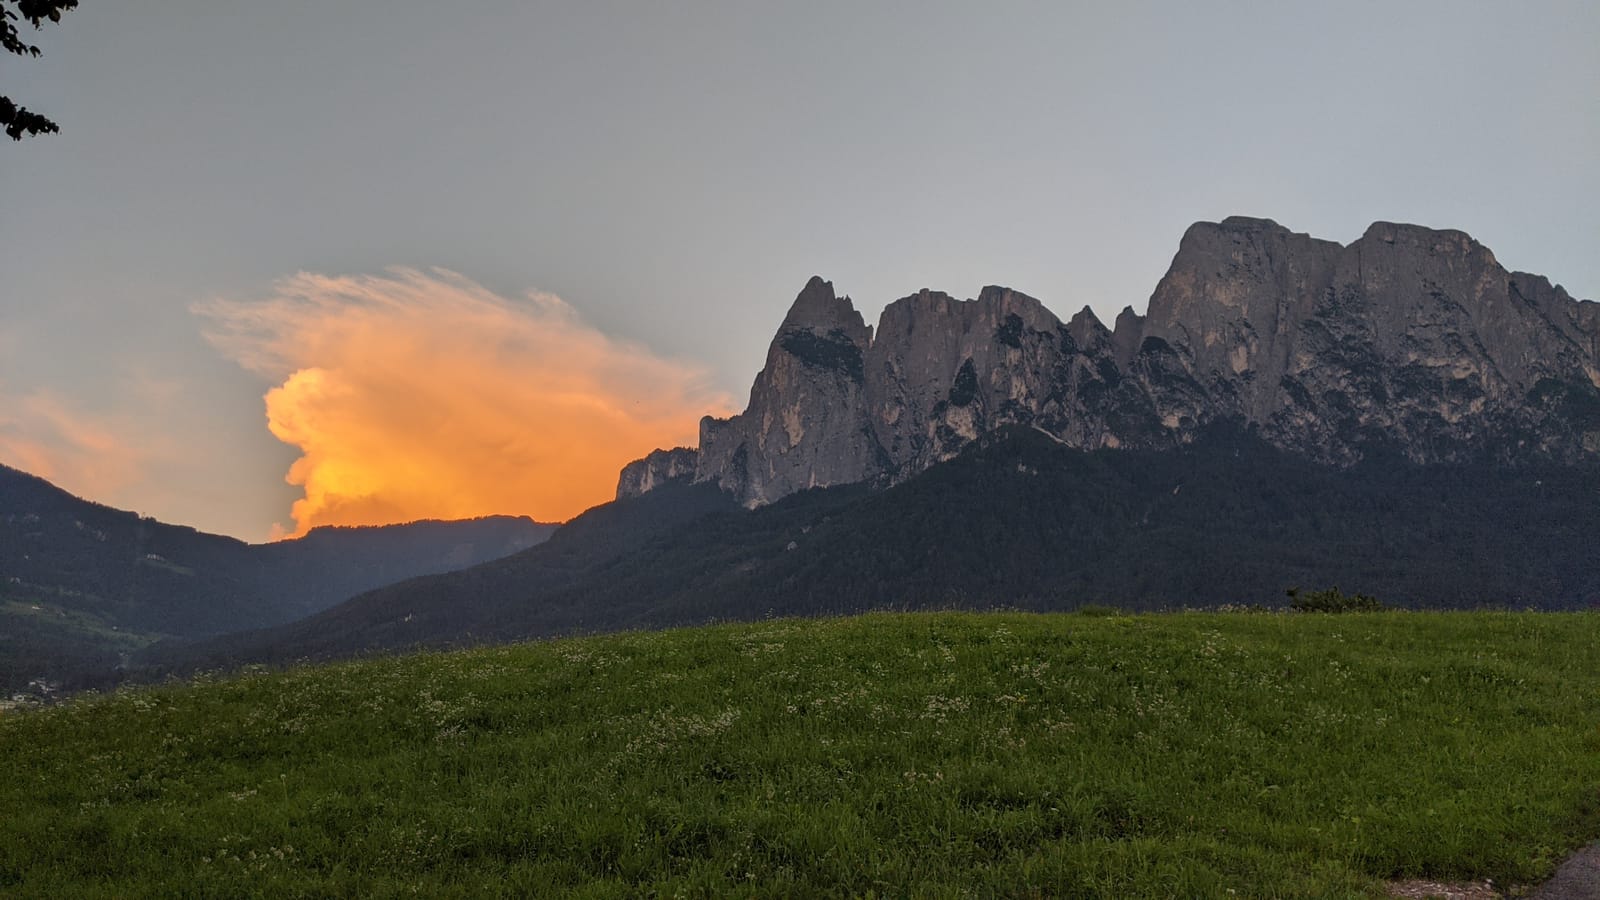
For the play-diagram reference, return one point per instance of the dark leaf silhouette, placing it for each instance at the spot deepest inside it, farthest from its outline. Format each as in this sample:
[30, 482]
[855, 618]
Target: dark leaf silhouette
[19, 120]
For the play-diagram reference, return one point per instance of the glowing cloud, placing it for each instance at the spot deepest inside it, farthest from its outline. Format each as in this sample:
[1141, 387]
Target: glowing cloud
[89, 455]
[425, 395]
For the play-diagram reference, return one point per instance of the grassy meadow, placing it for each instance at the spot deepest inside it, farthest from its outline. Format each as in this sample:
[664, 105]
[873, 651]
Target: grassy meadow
[1188, 755]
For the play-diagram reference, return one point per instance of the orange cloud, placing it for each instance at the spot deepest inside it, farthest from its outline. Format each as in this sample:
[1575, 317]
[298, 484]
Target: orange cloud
[88, 455]
[425, 395]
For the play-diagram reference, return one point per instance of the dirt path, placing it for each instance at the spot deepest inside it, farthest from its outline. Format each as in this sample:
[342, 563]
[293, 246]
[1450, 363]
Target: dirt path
[1576, 879]
[1419, 889]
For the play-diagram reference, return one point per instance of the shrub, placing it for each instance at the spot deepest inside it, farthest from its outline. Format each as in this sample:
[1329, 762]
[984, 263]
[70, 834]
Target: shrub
[1332, 600]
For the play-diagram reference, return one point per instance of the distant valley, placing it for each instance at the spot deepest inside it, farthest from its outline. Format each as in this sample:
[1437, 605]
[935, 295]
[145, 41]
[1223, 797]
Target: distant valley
[83, 586]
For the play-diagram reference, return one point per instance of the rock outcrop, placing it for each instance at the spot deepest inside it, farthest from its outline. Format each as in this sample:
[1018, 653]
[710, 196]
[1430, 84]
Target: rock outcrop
[656, 469]
[1410, 339]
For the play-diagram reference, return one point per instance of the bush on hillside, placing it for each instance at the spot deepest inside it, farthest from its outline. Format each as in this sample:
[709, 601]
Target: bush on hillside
[1332, 600]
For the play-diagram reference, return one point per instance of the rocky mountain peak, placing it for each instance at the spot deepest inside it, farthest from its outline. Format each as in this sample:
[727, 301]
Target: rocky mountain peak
[1086, 330]
[1242, 223]
[1127, 335]
[819, 310]
[1420, 237]
[802, 426]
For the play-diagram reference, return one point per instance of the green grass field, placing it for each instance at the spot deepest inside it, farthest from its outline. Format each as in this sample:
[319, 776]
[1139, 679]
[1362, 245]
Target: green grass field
[1187, 755]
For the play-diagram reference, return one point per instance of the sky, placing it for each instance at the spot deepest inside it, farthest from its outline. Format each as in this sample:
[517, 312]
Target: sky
[309, 263]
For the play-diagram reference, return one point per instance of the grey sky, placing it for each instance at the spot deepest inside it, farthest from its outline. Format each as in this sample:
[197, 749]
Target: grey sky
[676, 171]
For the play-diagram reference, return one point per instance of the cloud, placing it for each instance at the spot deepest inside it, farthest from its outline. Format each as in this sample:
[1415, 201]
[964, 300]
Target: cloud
[425, 395]
[89, 455]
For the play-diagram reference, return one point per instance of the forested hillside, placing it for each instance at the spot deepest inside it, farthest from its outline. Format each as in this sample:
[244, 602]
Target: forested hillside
[1016, 521]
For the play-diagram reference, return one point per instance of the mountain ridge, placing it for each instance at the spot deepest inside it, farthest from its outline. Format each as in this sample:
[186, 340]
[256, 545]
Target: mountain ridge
[1410, 338]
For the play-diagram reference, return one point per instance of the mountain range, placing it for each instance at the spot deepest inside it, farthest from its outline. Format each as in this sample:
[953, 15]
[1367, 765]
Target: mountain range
[1409, 340]
[1401, 416]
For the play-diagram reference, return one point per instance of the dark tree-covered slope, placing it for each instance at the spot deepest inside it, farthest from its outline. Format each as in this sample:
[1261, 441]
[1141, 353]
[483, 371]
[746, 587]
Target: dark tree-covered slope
[82, 584]
[1017, 520]
[484, 602]
[1020, 521]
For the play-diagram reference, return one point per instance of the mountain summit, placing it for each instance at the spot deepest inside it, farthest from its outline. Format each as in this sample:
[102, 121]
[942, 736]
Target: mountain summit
[1408, 340]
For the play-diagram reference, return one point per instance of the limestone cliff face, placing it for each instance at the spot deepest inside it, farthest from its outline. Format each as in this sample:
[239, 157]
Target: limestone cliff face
[1408, 338]
[805, 425]
[943, 371]
[1232, 304]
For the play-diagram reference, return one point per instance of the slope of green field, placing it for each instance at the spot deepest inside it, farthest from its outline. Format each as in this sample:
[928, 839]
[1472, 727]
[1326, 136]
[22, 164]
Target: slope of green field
[1225, 755]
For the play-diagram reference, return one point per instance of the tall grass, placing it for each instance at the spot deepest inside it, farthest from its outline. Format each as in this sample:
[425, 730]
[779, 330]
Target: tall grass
[1203, 755]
